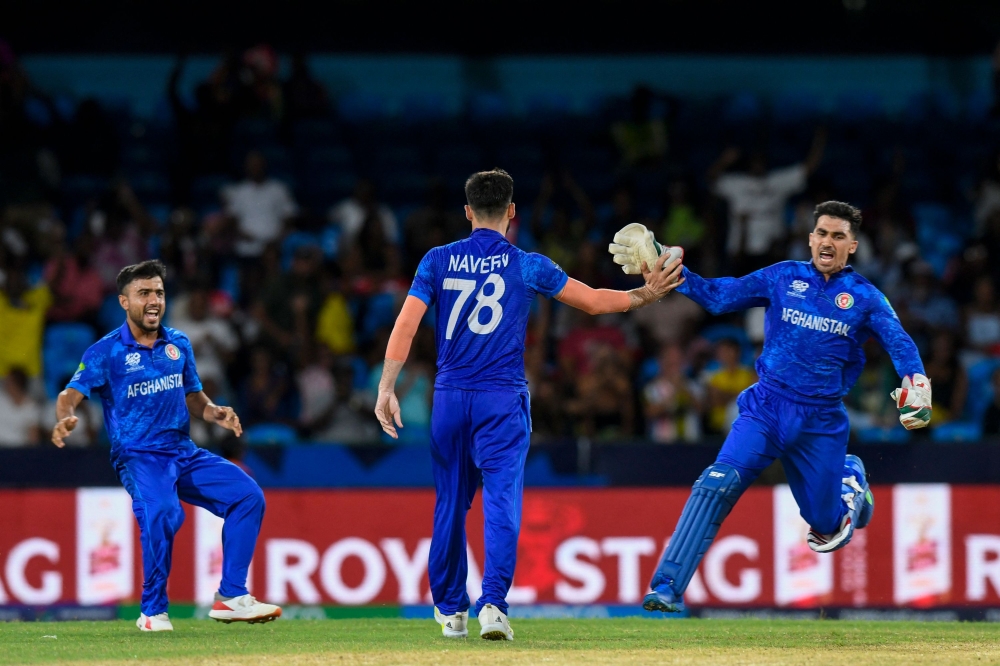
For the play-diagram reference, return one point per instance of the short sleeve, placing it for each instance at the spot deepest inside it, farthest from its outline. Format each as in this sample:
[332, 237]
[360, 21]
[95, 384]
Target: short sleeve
[542, 274]
[788, 181]
[92, 373]
[423, 281]
[729, 186]
[192, 382]
[287, 206]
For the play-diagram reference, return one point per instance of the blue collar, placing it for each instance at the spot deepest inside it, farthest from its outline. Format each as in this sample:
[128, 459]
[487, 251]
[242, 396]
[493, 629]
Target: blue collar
[843, 271]
[488, 231]
[129, 340]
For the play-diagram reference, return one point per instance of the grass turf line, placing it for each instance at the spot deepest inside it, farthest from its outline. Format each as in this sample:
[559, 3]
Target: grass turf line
[395, 641]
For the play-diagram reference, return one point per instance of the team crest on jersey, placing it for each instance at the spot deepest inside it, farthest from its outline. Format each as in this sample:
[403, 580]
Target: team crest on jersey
[173, 353]
[844, 301]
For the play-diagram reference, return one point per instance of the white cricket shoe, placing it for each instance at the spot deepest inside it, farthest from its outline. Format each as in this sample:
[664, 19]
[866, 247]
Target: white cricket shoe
[155, 623]
[495, 626]
[453, 626]
[243, 609]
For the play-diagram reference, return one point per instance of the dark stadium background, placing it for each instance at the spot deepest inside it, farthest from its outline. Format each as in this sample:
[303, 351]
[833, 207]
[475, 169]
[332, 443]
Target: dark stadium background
[109, 151]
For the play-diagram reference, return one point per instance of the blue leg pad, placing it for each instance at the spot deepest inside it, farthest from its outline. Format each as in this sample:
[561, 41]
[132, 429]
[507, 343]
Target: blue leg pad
[712, 498]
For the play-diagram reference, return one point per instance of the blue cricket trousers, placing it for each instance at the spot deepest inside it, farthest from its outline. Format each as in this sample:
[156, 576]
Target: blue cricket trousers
[157, 480]
[809, 439]
[477, 435]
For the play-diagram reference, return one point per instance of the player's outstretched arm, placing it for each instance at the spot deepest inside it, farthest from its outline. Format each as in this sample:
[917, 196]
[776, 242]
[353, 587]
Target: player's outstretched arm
[718, 296]
[660, 281]
[200, 405]
[66, 419]
[913, 398]
[386, 404]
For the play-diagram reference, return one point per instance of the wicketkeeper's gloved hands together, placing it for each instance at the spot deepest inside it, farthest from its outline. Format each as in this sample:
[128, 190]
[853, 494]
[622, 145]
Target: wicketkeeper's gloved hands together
[634, 244]
[913, 399]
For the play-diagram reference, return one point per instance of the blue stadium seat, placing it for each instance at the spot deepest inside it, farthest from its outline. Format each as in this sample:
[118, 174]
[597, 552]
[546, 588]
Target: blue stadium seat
[205, 189]
[796, 107]
[270, 433]
[293, 242]
[957, 431]
[980, 377]
[426, 107]
[859, 107]
[487, 107]
[380, 312]
[744, 107]
[62, 349]
[362, 107]
[548, 107]
[893, 435]
[314, 132]
[111, 315]
[329, 157]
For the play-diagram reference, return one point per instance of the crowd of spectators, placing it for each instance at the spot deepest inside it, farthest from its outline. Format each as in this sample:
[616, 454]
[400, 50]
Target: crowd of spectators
[287, 279]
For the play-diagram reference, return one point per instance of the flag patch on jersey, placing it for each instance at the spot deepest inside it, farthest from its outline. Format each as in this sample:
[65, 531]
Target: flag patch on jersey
[844, 301]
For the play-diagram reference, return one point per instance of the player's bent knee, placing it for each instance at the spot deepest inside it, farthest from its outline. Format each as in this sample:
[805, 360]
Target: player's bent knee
[824, 523]
[255, 498]
[721, 480]
[168, 514]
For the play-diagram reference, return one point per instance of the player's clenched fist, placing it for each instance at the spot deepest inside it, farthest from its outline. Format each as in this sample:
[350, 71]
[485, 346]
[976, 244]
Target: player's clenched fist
[62, 430]
[225, 417]
[387, 411]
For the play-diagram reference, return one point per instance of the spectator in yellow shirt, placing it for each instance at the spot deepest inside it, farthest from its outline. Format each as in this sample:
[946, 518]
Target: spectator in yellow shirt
[22, 320]
[726, 383]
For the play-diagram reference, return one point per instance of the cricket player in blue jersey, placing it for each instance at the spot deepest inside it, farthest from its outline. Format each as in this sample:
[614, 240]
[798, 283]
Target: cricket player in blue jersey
[144, 373]
[819, 313]
[482, 288]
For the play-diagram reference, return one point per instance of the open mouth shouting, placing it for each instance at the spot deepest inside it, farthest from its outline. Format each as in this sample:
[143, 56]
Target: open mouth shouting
[151, 316]
[827, 256]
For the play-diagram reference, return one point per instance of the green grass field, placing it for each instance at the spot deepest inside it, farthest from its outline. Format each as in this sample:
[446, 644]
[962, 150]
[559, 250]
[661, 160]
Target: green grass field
[395, 641]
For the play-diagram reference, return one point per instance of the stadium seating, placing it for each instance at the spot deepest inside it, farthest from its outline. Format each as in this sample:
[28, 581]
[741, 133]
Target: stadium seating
[63, 347]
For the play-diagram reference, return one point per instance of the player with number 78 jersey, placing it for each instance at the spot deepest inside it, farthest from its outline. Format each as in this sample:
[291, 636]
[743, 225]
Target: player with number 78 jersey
[482, 288]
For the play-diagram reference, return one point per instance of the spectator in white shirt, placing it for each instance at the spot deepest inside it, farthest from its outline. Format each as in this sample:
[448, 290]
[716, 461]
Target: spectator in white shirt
[259, 205]
[351, 213]
[20, 415]
[757, 199]
[212, 338]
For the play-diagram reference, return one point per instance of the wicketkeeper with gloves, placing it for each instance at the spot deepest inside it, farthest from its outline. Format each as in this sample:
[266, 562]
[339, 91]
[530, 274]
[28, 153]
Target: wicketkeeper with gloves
[819, 314]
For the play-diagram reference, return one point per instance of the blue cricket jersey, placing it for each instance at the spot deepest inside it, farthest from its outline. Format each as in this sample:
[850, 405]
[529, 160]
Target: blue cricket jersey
[482, 288]
[143, 389]
[813, 328]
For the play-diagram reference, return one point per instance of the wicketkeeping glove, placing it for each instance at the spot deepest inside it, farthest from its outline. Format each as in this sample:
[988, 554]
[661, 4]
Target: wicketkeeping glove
[913, 399]
[635, 244]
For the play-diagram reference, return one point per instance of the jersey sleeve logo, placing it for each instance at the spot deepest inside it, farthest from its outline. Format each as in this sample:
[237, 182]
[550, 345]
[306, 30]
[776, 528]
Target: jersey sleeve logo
[844, 301]
[173, 353]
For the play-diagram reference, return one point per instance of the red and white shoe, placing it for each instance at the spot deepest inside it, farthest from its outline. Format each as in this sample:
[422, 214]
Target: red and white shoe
[155, 623]
[244, 609]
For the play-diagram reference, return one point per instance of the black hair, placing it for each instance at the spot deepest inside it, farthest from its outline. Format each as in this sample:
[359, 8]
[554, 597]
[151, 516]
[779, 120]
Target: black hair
[489, 193]
[144, 270]
[841, 211]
